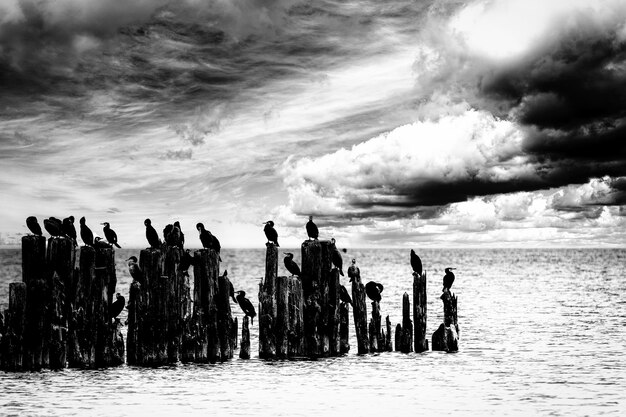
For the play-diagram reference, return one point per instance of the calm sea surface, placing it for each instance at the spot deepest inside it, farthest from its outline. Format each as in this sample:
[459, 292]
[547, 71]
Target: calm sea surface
[542, 333]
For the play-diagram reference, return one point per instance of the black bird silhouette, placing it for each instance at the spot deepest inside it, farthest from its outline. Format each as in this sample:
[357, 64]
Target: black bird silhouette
[208, 240]
[99, 243]
[110, 234]
[85, 233]
[336, 256]
[311, 229]
[117, 306]
[186, 260]
[448, 279]
[290, 264]
[246, 305]
[231, 289]
[134, 270]
[344, 296]
[53, 226]
[182, 235]
[173, 238]
[416, 263]
[152, 235]
[373, 290]
[270, 233]
[33, 225]
[354, 272]
[68, 228]
[166, 231]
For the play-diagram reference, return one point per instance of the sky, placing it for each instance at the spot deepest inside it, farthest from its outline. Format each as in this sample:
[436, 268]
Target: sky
[395, 124]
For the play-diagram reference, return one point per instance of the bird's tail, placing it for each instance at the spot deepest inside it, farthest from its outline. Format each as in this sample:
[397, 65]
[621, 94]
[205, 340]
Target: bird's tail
[341, 272]
[117, 245]
[252, 320]
[277, 243]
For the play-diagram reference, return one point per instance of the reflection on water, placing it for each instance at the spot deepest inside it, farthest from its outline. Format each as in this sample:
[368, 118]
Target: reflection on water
[542, 332]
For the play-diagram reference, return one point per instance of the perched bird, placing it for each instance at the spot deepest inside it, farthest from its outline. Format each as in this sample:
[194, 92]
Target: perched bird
[354, 272]
[208, 240]
[99, 243]
[152, 235]
[186, 260]
[311, 229]
[373, 290]
[117, 306]
[270, 233]
[416, 263]
[166, 231]
[344, 296]
[182, 235]
[68, 228]
[291, 265]
[448, 279]
[53, 226]
[246, 305]
[134, 270]
[336, 257]
[85, 233]
[33, 225]
[110, 234]
[231, 289]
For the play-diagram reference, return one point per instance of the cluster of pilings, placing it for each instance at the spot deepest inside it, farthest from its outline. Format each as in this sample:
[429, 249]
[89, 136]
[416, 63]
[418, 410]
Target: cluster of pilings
[58, 316]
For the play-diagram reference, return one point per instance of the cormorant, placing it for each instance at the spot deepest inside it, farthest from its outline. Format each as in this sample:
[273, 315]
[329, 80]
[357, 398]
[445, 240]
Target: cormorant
[99, 243]
[373, 290]
[166, 231]
[33, 225]
[152, 235]
[53, 226]
[336, 257]
[246, 305]
[69, 229]
[182, 235]
[311, 229]
[416, 263]
[85, 233]
[354, 272]
[173, 238]
[270, 233]
[448, 279]
[231, 289]
[186, 260]
[117, 306]
[134, 270]
[344, 296]
[110, 234]
[208, 240]
[291, 265]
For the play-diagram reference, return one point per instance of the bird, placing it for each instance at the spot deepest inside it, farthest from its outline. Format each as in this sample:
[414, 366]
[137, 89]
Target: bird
[209, 241]
[291, 265]
[354, 272]
[53, 226]
[68, 228]
[231, 289]
[448, 279]
[246, 305]
[152, 235]
[85, 232]
[166, 231]
[311, 229]
[117, 306]
[373, 290]
[99, 243]
[110, 234]
[270, 232]
[173, 238]
[336, 257]
[33, 225]
[186, 260]
[134, 270]
[182, 235]
[344, 296]
[416, 263]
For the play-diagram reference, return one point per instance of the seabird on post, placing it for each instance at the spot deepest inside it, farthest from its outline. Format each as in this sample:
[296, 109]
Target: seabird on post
[33, 225]
[373, 290]
[134, 270]
[85, 232]
[53, 226]
[110, 234]
[336, 257]
[291, 265]
[208, 240]
[246, 305]
[270, 233]
[68, 228]
[117, 306]
[448, 279]
[416, 263]
[344, 296]
[182, 235]
[151, 235]
[354, 272]
[311, 229]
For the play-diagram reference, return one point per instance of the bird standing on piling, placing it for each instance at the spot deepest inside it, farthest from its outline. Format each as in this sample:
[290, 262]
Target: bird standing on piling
[231, 289]
[291, 265]
[311, 229]
[134, 270]
[344, 296]
[181, 239]
[448, 279]
[117, 306]
[68, 228]
[354, 272]
[110, 234]
[166, 231]
[336, 256]
[33, 225]
[246, 305]
[85, 232]
[373, 290]
[270, 233]
[152, 235]
[53, 226]
[209, 241]
[416, 263]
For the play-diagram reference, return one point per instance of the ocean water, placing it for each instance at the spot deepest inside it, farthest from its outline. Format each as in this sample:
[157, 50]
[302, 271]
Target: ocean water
[542, 333]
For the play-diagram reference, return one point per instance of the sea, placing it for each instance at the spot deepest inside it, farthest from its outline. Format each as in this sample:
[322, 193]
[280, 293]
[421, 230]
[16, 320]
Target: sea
[542, 332]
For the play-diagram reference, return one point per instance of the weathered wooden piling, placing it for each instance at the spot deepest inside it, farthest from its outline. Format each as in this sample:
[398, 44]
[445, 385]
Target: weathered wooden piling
[388, 346]
[359, 311]
[267, 304]
[206, 272]
[398, 338]
[225, 322]
[420, 312]
[13, 339]
[406, 330]
[446, 337]
[244, 352]
[344, 329]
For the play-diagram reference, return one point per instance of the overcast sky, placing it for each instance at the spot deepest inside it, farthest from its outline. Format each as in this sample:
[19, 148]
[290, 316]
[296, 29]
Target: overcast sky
[395, 123]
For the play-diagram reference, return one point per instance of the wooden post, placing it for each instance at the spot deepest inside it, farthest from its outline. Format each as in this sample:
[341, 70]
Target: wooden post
[268, 304]
[373, 338]
[177, 295]
[388, 346]
[13, 341]
[420, 311]
[375, 327]
[282, 317]
[206, 271]
[34, 275]
[105, 258]
[398, 338]
[407, 325]
[225, 319]
[244, 353]
[446, 337]
[296, 339]
[332, 316]
[134, 347]
[359, 310]
[344, 332]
